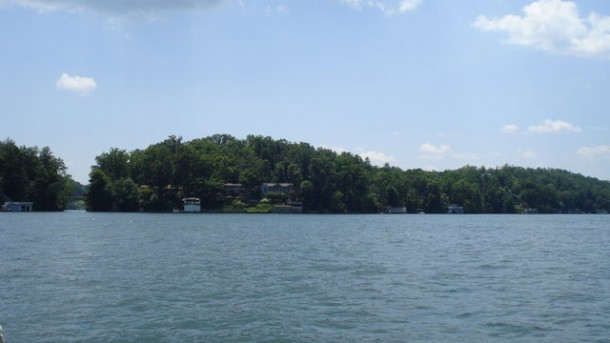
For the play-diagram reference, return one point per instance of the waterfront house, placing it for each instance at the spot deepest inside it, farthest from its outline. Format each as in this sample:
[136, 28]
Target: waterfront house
[18, 206]
[281, 188]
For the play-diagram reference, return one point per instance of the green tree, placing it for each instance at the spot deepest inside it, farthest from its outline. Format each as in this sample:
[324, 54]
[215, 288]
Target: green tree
[126, 195]
[308, 193]
[163, 173]
[50, 182]
[32, 174]
[434, 199]
[115, 163]
[100, 195]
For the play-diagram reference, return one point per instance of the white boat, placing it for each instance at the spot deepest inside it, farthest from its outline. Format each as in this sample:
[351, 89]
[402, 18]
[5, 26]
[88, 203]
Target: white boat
[191, 205]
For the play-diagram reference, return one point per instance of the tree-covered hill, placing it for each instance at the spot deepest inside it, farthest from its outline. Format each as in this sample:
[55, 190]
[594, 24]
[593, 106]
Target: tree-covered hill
[157, 177]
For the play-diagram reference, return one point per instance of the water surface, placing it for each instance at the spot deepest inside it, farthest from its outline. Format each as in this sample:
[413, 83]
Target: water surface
[91, 277]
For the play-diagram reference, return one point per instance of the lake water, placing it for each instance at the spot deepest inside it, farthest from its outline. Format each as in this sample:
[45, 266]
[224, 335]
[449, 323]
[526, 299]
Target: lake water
[92, 277]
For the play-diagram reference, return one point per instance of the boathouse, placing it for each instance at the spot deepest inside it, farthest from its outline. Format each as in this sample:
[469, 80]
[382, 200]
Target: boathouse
[455, 209]
[18, 206]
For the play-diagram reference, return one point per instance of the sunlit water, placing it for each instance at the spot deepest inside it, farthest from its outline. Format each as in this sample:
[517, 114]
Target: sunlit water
[90, 277]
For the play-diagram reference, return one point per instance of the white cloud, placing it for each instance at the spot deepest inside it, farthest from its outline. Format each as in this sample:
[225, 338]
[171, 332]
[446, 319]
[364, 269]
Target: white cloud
[554, 26]
[602, 150]
[554, 126]
[433, 152]
[377, 158]
[433, 149]
[40, 5]
[116, 7]
[147, 8]
[445, 152]
[510, 128]
[388, 7]
[408, 5]
[76, 83]
[353, 3]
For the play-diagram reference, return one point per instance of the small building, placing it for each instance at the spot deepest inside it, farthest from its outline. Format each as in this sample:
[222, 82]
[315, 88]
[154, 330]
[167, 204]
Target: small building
[18, 206]
[396, 210]
[281, 188]
[191, 205]
[455, 209]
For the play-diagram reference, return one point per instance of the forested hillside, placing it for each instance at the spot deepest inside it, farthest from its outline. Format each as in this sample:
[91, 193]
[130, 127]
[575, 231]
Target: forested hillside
[32, 174]
[156, 178]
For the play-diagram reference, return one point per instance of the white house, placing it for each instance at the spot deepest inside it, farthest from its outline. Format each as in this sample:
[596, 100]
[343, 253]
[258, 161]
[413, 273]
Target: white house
[18, 206]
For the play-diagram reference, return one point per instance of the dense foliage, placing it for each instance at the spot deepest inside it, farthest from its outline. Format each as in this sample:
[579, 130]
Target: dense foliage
[156, 178]
[32, 174]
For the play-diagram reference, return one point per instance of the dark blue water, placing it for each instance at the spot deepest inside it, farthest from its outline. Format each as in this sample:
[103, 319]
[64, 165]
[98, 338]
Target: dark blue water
[83, 277]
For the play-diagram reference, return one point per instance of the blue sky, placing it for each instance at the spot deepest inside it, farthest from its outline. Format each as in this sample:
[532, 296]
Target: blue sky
[415, 83]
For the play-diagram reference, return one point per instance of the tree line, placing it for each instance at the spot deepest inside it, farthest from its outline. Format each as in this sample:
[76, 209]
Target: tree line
[33, 174]
[157, 177]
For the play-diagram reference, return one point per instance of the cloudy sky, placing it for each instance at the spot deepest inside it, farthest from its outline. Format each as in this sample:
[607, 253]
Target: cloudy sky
[415, 83]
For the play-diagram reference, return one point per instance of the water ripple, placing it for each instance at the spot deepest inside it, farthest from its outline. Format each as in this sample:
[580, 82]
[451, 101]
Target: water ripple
[81, 277]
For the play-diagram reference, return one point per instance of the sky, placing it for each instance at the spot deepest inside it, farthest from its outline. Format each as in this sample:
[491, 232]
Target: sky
[414, 83]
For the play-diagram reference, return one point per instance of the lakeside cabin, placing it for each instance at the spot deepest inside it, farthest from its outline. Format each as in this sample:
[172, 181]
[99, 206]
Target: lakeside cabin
[18, 206]
[191, 205]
